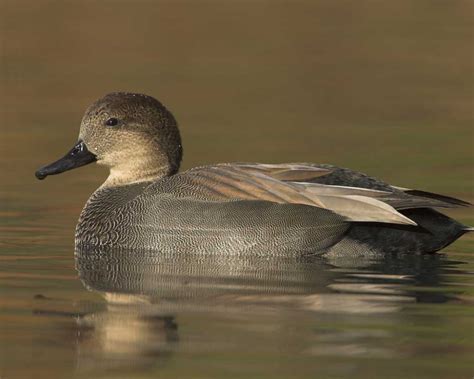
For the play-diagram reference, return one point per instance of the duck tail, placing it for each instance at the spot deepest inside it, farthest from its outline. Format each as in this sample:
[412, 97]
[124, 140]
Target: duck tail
[436, 196]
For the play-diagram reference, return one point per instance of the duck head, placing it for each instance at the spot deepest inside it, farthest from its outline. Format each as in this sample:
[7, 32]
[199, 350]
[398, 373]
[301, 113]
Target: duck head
[133, 134]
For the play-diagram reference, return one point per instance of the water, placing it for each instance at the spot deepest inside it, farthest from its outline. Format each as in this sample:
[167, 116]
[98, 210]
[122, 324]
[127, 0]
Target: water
[383, 88]
[121, 315]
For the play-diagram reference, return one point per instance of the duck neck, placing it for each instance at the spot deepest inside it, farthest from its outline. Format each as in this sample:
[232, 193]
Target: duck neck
[145, 170]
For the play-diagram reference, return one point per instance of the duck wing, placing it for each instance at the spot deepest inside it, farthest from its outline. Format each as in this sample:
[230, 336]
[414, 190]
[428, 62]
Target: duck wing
[401, 198]
[257, 182]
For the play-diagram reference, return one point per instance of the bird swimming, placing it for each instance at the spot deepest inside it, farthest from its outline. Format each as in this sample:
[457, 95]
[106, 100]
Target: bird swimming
[236, 208]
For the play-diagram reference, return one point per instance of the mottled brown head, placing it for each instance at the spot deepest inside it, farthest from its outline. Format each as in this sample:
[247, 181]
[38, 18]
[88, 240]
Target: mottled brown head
[133, 134]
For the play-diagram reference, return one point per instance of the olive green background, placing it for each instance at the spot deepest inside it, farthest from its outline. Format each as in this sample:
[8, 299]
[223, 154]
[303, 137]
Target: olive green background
[385, 87]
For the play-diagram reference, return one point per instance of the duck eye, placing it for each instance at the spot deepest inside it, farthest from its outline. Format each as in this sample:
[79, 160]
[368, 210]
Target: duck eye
[112, 122]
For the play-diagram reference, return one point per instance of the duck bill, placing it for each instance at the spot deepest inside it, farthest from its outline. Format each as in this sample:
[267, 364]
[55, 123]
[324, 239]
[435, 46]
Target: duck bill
[78, 156]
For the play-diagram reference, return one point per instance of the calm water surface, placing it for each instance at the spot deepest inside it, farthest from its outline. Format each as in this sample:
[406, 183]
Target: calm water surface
[383, 87]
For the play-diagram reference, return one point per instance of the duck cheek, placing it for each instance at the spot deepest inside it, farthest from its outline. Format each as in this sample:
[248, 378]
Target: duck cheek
[114, 156]
[106, 160]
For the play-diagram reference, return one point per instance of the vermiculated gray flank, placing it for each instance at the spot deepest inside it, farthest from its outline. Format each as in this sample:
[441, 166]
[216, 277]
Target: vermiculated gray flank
[236, 208]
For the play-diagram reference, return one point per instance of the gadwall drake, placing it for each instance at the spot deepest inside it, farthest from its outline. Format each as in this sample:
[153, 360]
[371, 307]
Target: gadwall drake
[235, 208]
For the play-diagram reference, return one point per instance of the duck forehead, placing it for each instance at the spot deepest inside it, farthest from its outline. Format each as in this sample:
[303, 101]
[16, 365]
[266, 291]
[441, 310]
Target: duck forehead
[125, 102]
[90, 124]
[122, 109]
[102, 109]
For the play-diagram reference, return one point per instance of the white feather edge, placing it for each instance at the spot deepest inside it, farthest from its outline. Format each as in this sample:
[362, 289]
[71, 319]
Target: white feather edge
[400, 188]
[332, 190]
[357, 204]
[358, 208]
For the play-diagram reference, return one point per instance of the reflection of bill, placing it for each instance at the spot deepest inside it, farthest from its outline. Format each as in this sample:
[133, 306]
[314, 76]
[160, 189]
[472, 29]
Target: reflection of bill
[125, 333]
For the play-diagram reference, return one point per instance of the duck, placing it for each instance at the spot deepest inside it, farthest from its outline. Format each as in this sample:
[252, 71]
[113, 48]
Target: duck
[238, 208]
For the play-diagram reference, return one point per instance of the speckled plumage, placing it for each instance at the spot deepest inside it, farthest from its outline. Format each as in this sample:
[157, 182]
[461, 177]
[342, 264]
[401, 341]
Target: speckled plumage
[240, 208]
[166, 223]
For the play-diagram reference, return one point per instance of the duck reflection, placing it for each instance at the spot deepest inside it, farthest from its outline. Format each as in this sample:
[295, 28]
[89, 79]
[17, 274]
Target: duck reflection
[146, 293]
[158, 277]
